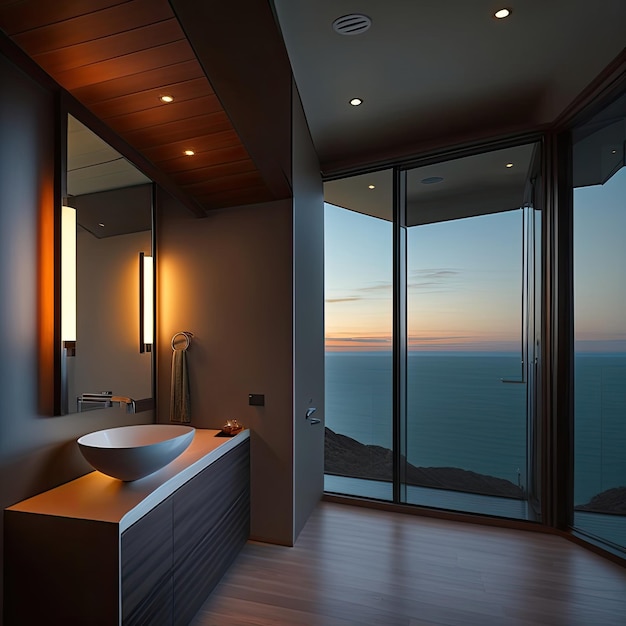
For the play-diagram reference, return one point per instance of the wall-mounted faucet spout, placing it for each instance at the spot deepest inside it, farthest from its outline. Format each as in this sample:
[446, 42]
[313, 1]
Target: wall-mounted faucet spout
[129, 402]
[102, 400]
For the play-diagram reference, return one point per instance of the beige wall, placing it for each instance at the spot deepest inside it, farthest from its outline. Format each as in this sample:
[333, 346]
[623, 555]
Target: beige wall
[228, 280]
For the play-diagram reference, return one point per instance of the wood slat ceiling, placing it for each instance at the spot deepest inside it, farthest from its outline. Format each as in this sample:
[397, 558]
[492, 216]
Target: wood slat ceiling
[117, 58]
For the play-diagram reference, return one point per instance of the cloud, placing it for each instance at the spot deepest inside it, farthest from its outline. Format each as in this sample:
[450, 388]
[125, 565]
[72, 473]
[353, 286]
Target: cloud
[426, 339]
[346, 299]
[370, 292]
[380, 287]
[426, 283]
[368, 340]
[442, 273]
[433, 279]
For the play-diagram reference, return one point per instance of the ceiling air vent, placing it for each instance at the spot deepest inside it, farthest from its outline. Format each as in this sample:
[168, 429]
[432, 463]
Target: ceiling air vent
[353, 24]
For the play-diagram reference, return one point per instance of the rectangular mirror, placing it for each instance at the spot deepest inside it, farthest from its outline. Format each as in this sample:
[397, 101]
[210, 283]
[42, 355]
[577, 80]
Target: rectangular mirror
[113, 202]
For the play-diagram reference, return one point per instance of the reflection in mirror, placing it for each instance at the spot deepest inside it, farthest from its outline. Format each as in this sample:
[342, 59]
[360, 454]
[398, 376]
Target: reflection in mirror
[113, 203]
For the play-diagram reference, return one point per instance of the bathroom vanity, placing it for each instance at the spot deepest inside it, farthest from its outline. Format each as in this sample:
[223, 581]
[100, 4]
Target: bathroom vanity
[100, 551]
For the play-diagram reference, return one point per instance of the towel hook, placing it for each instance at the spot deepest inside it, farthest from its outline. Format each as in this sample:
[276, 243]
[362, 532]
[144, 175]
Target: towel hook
[186, 334]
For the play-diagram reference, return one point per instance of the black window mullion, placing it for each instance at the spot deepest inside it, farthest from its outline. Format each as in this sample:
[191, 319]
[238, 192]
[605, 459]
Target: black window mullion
[400, 338]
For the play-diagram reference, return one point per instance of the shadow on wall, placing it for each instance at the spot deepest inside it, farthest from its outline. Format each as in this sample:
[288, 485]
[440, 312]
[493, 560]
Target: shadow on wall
[58, 463]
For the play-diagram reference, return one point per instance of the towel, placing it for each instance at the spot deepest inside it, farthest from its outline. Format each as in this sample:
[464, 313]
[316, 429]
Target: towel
[180, 410]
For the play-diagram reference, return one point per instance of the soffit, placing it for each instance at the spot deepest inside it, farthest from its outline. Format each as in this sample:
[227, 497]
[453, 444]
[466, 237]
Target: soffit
[451, 189]
[116, 58]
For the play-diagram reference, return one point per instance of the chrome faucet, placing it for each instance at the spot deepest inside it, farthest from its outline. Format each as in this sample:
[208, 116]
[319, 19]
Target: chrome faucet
[129, 402]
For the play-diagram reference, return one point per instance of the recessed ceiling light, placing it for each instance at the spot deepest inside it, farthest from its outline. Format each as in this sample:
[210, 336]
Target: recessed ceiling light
[371, 186]
[431, 180]
[502, 13]
[166, 99]
[509, 165]
[613, 151]
[356, 101]
[189, 152]
[101, 225]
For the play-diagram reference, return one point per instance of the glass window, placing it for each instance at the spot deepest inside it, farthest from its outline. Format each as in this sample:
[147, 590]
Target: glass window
[358, 320]
[599, 178]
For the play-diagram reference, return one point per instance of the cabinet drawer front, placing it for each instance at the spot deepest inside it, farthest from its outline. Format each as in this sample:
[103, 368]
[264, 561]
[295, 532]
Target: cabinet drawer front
[200, 569]
[201, 504]
[155, 609]
[147, 568]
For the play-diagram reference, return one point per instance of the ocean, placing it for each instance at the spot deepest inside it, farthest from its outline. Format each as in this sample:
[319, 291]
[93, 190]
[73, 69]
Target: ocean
[461, 414]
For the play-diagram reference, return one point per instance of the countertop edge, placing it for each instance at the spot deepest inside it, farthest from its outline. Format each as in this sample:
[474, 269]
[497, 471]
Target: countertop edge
[160, 494]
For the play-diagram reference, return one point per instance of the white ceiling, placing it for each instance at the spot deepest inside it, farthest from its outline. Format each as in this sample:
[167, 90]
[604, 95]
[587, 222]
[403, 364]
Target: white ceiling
[432, 72]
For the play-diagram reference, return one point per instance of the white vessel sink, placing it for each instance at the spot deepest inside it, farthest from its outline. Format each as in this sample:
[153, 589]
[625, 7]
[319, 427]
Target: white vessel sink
[132, 452]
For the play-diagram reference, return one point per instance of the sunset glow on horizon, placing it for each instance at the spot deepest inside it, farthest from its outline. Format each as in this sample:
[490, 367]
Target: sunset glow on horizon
[421, 344]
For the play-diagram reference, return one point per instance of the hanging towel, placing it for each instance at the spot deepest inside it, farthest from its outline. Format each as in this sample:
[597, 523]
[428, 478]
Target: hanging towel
[179, 399]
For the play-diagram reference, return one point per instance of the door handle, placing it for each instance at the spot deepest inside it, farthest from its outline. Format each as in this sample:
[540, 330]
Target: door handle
[309, 413]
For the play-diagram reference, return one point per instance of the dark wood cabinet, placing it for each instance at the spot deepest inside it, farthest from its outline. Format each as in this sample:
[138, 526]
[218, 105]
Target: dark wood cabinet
[174, 556]
[97, 552]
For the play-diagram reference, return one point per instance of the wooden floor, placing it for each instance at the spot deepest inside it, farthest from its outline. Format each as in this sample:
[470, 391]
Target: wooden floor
[358, 566]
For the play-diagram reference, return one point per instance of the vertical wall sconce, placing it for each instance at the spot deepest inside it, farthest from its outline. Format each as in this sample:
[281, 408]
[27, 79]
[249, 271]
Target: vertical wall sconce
[68, 279]
[68, 298]
[146, 299]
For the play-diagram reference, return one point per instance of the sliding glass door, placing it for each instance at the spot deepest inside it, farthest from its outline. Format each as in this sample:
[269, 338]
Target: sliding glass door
[470, 317]
[460, 429]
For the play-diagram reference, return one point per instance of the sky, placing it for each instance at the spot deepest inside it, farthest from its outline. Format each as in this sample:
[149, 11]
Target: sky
[465, 278]
[600, 265]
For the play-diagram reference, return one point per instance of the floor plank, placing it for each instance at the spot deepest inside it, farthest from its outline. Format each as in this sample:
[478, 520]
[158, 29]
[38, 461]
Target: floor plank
[359, 566]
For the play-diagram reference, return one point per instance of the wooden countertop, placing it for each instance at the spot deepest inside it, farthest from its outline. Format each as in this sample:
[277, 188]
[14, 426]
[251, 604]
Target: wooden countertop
[98, 497]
